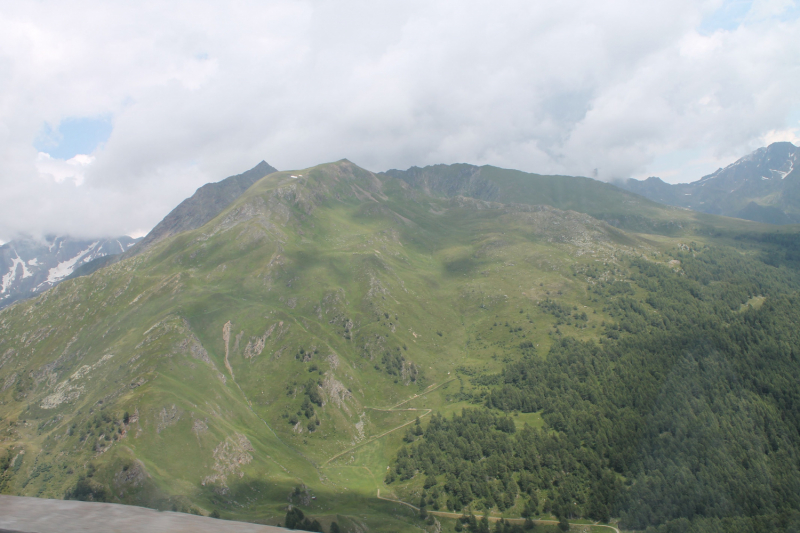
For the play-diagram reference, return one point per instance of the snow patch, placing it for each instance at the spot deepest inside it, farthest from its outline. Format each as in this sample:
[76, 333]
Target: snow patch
[65, 268]
[25, 272]
[11, 276]
[8, 278]
[784, 174]
[33, 262]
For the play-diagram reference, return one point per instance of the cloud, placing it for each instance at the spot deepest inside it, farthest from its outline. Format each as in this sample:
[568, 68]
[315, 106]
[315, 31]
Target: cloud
[199, 91]
[59, 170]
[791, 135]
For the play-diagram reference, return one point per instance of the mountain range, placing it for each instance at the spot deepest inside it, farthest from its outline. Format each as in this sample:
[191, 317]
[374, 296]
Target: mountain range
[763, 186]
[395, 351]
[29, 267]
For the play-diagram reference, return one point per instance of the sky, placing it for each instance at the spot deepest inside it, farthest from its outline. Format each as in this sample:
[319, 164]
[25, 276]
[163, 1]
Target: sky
[111, 113]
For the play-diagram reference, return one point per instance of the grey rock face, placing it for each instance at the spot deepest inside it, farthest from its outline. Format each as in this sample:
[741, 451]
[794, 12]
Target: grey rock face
[28, 267]
[206, 203]
[763, 186]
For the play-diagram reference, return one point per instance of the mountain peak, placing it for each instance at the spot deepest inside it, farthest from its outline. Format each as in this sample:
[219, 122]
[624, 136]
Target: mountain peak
[783, 145]
[776, 154]
[31, 266]
[752, 187]
[206, 203]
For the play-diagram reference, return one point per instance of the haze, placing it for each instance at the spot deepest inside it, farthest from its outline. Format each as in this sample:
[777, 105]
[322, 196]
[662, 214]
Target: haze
[114, 112]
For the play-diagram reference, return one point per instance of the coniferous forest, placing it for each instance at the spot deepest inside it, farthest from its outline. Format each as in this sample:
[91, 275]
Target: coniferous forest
[685, 416]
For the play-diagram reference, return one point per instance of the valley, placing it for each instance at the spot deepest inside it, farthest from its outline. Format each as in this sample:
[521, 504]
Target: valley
[457, 339]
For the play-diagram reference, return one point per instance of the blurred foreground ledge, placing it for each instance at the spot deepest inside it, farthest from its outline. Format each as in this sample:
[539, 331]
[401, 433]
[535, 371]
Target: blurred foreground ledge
[36, 515]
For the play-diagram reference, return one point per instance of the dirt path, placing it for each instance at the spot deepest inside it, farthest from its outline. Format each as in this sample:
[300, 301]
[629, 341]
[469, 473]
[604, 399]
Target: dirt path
[430, 389]
[445, 514]
[376, 437]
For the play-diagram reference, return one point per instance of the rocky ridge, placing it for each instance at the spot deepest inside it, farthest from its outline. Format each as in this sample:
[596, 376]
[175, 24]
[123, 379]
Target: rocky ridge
[763, 186]
[29, 267]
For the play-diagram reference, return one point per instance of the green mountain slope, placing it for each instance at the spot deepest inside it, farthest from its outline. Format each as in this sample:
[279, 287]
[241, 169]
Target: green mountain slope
[282, 352]
[206, 203]
[603, 201]
[513, 186]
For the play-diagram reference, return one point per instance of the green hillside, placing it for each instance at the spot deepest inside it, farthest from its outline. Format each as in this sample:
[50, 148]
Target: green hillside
[284, 351]
[603, 201]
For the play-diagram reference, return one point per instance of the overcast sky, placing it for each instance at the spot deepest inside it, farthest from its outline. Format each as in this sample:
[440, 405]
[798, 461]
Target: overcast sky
[112, 112]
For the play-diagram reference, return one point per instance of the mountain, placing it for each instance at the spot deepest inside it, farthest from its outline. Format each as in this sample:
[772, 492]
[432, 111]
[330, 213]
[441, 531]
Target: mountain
[602, 201]
[29, 267]
[763, 186]
[390, 350]
[206, 203]
[585, 195]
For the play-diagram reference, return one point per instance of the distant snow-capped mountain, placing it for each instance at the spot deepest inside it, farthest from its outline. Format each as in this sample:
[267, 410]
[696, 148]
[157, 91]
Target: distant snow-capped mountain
[28, 267]
[763, 186]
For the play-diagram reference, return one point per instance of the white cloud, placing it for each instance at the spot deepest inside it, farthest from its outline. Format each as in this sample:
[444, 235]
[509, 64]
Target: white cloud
[785, 135]
[59, 170]
[198, 91]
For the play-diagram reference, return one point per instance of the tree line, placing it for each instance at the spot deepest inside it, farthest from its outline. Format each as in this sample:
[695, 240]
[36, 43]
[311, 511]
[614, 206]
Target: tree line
[683, 416]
